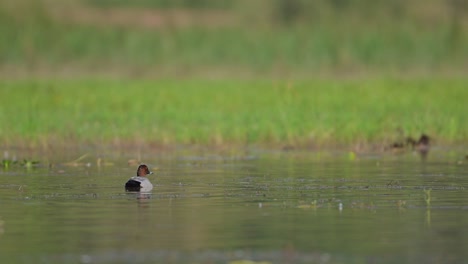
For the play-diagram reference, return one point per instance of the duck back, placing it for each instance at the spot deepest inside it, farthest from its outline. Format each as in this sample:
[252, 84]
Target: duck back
[132, 186]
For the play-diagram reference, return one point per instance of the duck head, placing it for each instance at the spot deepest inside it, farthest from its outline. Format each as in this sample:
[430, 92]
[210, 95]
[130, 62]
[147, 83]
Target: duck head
[143, 170]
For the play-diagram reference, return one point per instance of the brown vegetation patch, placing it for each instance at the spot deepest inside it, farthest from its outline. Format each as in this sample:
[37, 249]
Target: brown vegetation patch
[141, 18]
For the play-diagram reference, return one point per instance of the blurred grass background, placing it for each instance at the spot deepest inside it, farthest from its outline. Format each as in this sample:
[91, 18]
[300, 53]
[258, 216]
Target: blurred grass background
[232, 38]
[311, 113]
[117, 71]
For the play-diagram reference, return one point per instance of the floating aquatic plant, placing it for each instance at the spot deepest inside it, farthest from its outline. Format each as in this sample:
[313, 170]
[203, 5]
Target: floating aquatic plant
[427, 197]
[29, 163]
[100, 162]
[312, 205]
[77, 162]
[246, 261]
[7, 163]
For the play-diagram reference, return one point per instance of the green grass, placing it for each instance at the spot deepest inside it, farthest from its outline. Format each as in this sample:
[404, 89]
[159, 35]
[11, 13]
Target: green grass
[283, 39]
[314, 112]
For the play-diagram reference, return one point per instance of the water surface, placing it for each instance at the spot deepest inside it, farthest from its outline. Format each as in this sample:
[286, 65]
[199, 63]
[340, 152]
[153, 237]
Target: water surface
[285, 207]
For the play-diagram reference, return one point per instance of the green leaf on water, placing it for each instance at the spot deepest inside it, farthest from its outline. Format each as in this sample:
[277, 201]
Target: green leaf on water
[29, 163]
[6, 163]
[427, 196]
[244, 261]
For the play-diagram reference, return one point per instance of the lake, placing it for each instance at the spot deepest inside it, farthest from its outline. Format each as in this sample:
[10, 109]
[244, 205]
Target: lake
[255, 206]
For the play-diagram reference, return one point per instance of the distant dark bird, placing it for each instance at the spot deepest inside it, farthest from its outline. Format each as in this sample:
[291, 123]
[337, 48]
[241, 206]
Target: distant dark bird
[402, 146]
[422, 146]
[140, 182]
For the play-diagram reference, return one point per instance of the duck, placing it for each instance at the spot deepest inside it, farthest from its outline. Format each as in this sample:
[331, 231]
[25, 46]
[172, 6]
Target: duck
[140, 182]
[422, 145]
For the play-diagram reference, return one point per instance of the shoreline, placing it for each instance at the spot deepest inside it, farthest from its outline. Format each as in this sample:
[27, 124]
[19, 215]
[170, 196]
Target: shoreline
[154, 146]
